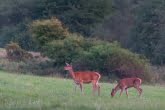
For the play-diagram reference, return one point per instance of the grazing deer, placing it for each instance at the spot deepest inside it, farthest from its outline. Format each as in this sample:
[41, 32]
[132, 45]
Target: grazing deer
[82, 77]
[126, 83]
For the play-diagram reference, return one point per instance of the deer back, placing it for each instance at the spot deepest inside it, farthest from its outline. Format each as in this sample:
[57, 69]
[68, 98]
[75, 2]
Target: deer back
[130, 82]
[87, 76]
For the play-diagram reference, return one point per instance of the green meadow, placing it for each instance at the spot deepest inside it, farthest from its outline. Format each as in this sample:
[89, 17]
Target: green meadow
[25, 92]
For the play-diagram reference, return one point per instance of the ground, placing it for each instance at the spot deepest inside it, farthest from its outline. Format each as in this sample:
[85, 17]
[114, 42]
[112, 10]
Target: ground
[25, 92]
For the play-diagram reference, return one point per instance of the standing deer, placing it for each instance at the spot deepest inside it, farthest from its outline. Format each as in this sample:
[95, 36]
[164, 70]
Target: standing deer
[126, 83]
[82, 77]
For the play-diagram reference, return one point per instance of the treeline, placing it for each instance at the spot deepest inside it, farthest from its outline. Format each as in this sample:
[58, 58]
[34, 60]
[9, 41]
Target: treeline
[78, 15]
[137, 24]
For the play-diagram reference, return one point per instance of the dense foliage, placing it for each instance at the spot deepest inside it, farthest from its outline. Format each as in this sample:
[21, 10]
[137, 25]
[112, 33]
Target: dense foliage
[47, 30]
[112, 60]
[148, 31]
[139, 26]
[126, 21]
[79, 15]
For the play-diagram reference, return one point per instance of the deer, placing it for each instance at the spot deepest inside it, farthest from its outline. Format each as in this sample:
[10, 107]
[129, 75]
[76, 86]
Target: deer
[126, 83]
[84, 77]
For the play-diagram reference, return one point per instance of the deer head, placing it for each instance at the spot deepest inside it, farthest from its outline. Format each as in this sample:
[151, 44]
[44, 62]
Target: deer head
[68, 67]
[67, 64]
[113, 92]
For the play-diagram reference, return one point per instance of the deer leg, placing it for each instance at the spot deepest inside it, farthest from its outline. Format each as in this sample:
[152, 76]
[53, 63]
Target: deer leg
[81, 88]
[121, 92]
[94, 87]
[98, 88]
[126, 90]
[139, 90]
[137, 86]
[75, 88]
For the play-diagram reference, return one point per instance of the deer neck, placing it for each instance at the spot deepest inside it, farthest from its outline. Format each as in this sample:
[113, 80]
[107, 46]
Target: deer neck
[117, 88]
[72, 73]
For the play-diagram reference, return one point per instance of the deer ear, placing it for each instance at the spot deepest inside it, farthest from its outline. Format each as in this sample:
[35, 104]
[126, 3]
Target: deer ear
[67, 64]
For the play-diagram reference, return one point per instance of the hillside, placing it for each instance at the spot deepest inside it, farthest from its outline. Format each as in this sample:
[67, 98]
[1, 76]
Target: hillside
[23, 92]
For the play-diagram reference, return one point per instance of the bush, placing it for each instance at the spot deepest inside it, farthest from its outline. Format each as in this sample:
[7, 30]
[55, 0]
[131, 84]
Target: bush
[47, 30]
[110, 59]
[34, 67]
[65, 50]
[16, 53]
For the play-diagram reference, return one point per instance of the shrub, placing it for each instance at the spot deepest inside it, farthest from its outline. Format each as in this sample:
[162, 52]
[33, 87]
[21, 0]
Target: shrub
[64, 50]
[45, 31]
[16, 53]
[34, 67]
[110, 59]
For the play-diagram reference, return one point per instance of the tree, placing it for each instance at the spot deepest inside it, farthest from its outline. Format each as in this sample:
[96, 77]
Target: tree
[17, 33]
[147, 33]
[45, 31]
[79, 15]
[118, 25]
[15, 15]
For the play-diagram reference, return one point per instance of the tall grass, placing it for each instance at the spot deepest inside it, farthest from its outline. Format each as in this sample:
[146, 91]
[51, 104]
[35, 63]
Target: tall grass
[23, 92]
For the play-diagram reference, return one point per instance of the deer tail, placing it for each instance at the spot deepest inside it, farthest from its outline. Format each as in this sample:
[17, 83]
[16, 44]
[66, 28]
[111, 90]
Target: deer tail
[138, 81]
[99, 76]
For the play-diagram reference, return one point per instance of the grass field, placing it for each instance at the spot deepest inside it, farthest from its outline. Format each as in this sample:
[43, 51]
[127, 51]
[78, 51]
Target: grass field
[23, 92]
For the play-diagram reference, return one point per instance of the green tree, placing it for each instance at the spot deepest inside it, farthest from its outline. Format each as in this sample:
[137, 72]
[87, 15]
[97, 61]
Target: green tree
[66, 50]
[112, 60]
[17, 33]
[15, 15]
[45, 31]
[147, 32]
[79, 15]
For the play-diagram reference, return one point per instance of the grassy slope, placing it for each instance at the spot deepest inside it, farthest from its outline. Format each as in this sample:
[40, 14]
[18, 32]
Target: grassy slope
[22, 92]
